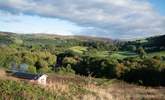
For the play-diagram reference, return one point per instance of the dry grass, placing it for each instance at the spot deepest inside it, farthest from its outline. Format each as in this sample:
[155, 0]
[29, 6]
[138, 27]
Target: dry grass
[85, 88]
[118, 90]
[58, 86]
[4, 75]
[125, 91]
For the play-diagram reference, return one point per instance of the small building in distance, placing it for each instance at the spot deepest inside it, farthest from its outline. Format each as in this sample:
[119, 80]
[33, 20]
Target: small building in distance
[37, 78]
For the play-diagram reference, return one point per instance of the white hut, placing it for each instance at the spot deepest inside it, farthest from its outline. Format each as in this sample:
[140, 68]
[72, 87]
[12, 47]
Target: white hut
[38, 78]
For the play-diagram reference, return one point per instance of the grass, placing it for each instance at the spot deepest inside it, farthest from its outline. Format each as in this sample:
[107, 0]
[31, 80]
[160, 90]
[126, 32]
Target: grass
[12, 90]
[122, 54]
[78, 49]
[101, 54]
[161, 53]
[88, 88]
[58, 88]
[125, 54]
[113, 55]
[62, 87]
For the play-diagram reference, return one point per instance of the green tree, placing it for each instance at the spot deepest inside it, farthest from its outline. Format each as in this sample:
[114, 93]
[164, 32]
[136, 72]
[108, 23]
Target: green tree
[69, 60]
[120, 69]
[44, 69]
[41, 63]
[131, 48]
[141, 52]
[66, 70]
[32, 69]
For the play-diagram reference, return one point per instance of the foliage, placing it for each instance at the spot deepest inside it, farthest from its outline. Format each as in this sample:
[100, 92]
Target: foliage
[120, 69]
[44, 70]
[32, 69]
[79, 49]
[87, 56]
[41, 64]
[65, 70]
[69, 60]
[141, 52]
[13, 90]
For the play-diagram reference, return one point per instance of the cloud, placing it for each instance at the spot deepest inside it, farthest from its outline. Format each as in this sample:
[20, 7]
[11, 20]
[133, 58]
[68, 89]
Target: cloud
[106, 18]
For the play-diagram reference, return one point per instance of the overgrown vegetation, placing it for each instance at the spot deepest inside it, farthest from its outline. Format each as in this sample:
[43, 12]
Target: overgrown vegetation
[12, 90]
[140, 61]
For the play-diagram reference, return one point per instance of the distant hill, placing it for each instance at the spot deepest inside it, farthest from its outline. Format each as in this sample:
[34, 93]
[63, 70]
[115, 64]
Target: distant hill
[151, 44]
[76, 37]
[156, 41]
[9, 38]
[44, 40]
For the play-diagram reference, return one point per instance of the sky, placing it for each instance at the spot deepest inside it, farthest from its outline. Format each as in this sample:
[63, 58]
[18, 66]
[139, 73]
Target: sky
[116, 19]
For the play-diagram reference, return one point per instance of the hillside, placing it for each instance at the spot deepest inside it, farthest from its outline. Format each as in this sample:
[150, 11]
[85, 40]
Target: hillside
[150, 44]
[61, 87]
[84, 67]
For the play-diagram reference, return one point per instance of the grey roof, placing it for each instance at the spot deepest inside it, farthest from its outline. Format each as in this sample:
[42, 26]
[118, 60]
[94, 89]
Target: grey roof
[25, 75]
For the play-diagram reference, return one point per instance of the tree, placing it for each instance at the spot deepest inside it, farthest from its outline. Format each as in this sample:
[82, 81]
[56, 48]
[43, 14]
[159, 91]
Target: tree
[141, 52]
[69, 69]
[120, 69]
[44, 69]
[32, 69]
[131, 48]
[51, 59]
[107, 69]
[66, 70]
[28, 60]
[69, 60]
[41, 63]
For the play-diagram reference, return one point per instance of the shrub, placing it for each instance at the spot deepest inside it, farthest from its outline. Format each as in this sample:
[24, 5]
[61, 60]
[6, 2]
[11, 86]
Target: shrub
[120, 69]
[32, 69]
[65, 70]
[44, 70]
[12, 90]
[69, 60]
[141, 52]
[41, 63]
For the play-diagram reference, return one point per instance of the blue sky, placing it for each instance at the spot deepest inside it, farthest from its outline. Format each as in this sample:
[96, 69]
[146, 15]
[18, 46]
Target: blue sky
[120, 19]
[37, 24]
[159, 5]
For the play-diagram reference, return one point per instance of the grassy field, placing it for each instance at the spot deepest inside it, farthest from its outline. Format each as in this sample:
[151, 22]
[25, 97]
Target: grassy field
[115, 55]
[161, 53]
[122, 55]
[101, 54]
[78, 49]
[62, 87]
[125, 54]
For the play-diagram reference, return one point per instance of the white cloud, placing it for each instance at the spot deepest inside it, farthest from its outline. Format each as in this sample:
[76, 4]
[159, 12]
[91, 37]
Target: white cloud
[106, 17]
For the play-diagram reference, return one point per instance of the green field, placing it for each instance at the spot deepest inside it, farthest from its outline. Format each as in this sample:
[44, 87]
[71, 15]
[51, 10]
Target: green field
[122, 54]
[161, 53]
[78, 49]
[115, 55]
[125, 54]
[100, 54]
